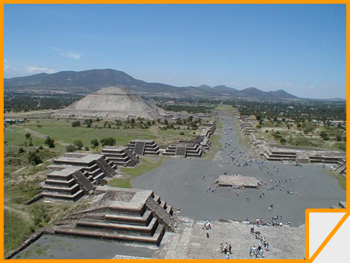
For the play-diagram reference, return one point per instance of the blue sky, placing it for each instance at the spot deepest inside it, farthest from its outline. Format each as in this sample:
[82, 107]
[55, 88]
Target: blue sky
[298, 48]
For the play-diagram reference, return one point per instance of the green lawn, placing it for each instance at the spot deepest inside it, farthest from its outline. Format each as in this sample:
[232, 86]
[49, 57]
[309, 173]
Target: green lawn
[145, 166]
[15, 135]
[63, 131]
[173, 136]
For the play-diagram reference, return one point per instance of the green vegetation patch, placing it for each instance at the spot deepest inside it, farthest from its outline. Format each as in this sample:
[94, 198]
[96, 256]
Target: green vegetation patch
[216, 147]
[63, 131]
[145, 166]
[16, 230]
[173, 136]
[340, 178]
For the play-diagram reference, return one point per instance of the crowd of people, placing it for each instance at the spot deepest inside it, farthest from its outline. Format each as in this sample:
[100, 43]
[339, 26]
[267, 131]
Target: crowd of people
[263, 245]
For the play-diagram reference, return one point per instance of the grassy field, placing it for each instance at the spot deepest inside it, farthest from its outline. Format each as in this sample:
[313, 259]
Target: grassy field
[306, 136]
[15, 228]
[216, 147]
[63, 131]
[170, 136]
[147, 164]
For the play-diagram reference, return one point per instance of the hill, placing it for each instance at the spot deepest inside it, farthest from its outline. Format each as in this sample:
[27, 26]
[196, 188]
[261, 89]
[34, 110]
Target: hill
[88, 81]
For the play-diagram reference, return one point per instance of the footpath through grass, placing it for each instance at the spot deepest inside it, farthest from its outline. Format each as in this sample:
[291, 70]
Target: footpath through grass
[147, 164]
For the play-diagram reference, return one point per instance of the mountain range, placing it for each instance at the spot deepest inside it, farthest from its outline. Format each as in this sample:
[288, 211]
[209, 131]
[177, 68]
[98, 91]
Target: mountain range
[88, 81]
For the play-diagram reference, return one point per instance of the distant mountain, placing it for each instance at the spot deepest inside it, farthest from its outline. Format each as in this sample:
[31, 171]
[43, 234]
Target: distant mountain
[281, 94]
[256, 93]
[88, 81]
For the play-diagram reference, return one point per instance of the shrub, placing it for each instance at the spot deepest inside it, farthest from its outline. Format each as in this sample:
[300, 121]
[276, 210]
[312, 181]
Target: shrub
[76, 123]
[28, 135]
[50, 142]
[78, 144]
[108, 141]
[21, 150]
[70, 148]
[94, 142]
[33, 158]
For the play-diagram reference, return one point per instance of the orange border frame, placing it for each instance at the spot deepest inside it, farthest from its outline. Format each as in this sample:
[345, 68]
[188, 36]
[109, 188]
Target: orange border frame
[308, 258]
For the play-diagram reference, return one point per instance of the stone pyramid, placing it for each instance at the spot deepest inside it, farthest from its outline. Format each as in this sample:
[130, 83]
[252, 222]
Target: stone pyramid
[110, 103]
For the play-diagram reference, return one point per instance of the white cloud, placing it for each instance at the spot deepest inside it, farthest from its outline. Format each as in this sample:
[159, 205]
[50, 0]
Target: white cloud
[35, 69]
[8, 67]
[67, 53]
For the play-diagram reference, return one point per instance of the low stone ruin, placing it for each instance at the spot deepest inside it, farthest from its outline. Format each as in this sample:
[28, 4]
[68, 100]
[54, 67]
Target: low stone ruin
[144, 147]
[120, 156]
[184, 149]
[127, 215]
[75, 174]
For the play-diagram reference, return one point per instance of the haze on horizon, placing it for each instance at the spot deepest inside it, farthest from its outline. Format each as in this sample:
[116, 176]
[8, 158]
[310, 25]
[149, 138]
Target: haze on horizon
[298, 48]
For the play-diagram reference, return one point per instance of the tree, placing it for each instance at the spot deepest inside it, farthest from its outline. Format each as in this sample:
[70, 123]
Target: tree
[33, 158]
[28, 135]
[324, 136]
[88, 123]
[21, 150]
[50, 142]
[76, 123]
[108, 141]
[70, 148]
[94, 143]
[78, 144]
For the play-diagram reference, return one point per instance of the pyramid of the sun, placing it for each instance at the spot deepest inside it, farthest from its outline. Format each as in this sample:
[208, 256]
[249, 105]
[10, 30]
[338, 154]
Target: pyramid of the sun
[110, 103]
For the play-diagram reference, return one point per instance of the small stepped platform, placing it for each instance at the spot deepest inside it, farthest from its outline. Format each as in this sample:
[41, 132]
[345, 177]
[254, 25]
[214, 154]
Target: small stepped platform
[127, 215]
[120, 156]
[184, 149]
[73, 172]
[144, 147]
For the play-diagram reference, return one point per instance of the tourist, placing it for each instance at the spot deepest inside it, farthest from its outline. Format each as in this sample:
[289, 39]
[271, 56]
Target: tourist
[250, 251]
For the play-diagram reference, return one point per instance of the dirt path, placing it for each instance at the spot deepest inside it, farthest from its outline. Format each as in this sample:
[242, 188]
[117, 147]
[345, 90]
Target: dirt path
[159, 139]
[43, 136]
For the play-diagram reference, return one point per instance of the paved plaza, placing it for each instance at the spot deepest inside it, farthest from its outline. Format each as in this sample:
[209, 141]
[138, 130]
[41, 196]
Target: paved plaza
[180, 181]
